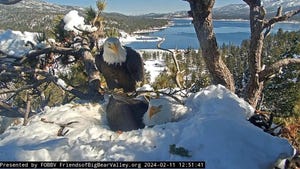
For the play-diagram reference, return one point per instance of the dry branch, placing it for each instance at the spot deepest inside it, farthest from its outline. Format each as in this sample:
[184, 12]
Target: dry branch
[281, 18]
[61, 125]
[178, 72]
[269, 28]
[179, 101]
[272, 69]
[8, 111]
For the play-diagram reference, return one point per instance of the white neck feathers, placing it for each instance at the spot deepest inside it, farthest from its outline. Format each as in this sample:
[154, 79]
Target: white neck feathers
[110, 57]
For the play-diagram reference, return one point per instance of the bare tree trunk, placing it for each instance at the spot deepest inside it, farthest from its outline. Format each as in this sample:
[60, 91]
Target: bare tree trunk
[259, 24]
[254, 87]
[201, 11]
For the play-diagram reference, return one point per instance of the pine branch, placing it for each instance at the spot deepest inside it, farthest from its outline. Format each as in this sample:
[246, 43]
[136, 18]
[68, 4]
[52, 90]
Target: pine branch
[16, 71]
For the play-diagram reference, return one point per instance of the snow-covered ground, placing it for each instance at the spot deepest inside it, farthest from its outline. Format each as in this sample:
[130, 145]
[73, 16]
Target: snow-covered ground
[215, 130]
[154, 67]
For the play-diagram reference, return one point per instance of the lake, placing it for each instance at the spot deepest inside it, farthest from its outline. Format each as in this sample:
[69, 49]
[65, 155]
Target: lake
[182, 34]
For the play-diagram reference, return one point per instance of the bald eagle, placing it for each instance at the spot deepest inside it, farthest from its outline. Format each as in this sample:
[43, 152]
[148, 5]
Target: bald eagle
[121, 66]
[124, 113]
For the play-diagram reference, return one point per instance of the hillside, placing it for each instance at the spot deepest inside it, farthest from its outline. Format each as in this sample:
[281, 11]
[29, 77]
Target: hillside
[241, 11]
[37, 16]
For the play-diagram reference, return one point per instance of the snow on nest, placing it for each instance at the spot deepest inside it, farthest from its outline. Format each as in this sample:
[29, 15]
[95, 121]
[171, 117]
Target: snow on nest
[215, 130]
[72, 20]
[13, 42]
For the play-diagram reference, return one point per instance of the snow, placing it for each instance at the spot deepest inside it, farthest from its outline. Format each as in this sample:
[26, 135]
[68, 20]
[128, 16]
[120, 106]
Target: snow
[73, 20]
[126, 38]
[214, 129]
[155, 67]
[14, 42]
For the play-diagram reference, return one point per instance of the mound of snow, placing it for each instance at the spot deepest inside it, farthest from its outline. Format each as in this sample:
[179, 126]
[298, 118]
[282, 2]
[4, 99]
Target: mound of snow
[215, 130]
[72, 20]
[14, 42]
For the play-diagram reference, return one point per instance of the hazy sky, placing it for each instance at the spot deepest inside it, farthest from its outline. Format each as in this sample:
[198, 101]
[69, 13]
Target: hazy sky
[136, 7]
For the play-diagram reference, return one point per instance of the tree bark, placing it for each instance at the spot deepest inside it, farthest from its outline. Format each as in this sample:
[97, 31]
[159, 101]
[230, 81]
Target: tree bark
[258, 24]
[201, 11]
[93, 75]
[254, 87]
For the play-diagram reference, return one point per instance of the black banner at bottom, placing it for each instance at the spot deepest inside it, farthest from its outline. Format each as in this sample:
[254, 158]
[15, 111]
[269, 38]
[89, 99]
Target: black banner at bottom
[98, 164]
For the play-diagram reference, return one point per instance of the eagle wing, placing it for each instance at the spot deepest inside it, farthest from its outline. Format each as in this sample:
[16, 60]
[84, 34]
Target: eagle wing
[134, 64]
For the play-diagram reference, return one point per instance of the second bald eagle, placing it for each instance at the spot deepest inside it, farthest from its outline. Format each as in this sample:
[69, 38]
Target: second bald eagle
[121, 66]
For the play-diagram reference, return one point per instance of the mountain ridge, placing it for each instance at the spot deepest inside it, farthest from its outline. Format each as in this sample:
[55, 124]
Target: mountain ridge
[38, 15]
[241, 11]
[31, 15]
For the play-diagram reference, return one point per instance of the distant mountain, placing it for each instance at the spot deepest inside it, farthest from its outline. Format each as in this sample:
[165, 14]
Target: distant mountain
[37, 15]
[31, 15]
[241, 11]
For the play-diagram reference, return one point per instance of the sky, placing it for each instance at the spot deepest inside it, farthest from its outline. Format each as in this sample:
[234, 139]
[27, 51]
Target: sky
[137, 7]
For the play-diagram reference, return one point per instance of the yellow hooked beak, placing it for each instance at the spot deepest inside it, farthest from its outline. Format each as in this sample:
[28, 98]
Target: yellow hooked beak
[154, 110]
[114, 48]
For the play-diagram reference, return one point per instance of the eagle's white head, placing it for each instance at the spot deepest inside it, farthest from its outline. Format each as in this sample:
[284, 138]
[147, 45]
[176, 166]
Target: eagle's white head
[163, 110]
[113, 52]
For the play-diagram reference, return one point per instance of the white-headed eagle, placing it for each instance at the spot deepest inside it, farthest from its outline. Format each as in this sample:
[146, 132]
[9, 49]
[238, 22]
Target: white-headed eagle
[121, 66]
[124, 113]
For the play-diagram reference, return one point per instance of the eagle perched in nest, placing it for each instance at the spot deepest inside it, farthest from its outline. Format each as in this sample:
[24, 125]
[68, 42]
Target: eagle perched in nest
[121, 66]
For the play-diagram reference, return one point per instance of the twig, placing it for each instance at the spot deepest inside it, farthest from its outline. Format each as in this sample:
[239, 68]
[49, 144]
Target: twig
[28, 107]
[8, 111]
[269, 28]
[178, 72]
[280, 18]
[160, 92]
[61, 125]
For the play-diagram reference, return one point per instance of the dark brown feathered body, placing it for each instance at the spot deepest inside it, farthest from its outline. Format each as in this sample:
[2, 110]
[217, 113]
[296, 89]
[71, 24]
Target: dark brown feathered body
[124, 75]
[125, 114]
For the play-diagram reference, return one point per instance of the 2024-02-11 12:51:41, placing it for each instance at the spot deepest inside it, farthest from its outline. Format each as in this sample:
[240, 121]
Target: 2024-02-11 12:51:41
[190, 164]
